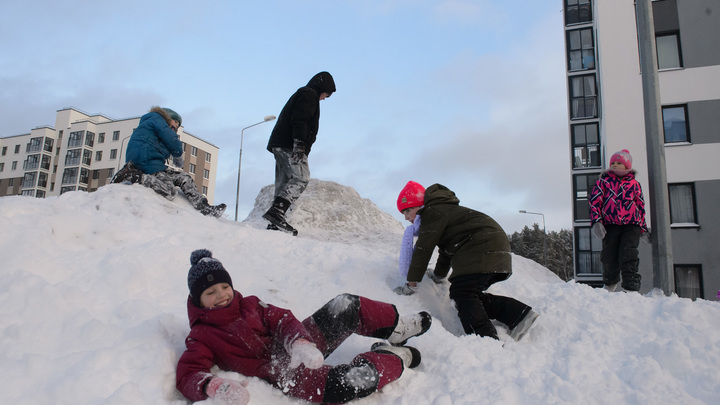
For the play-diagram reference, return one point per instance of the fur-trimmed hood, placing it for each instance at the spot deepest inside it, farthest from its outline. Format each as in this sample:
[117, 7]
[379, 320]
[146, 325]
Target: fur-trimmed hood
[167, 114]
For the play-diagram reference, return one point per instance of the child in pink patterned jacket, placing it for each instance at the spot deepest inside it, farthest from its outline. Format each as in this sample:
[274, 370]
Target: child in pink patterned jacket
[617, 212]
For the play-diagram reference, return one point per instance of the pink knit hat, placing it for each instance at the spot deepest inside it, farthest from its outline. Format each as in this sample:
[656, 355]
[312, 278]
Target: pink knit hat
[412, 195]
[623, 157]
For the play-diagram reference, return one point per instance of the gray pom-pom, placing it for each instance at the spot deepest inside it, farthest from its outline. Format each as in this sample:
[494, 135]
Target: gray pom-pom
[198, 255]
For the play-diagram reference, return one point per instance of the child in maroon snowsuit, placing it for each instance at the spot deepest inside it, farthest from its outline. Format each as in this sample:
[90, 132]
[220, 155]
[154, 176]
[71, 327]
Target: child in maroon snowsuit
[617, 212]
[255, 339]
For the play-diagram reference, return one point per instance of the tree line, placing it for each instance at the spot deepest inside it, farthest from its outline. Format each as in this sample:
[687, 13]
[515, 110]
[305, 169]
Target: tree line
[559, 249]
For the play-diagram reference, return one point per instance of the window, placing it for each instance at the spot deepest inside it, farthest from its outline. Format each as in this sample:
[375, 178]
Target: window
[682, 203]
[2, 166]
[583, 97]
[675, 124]
[668, 51]
[204, 190]
[113, 154]
[17, 149]
[193, 151]
[84, 175]
[111, 172]
[29, 180]
[65, 189]
[48, 145]
[588, 250]
[75, 139]
[14, 165]
[40, 194]
[87, 157]
[28, 193]
[35, 145]
[45, 165]
[70, 176]
[98, 156]
[577, 11]
[90, 139]
[32, 162]
[191, 169]
[101, 137]
[4, 150]
[581, 49]
[688, 281]
[586, 145]
[206, 174]
[42, 180]
[73, 157]
[11, 182]
[96, 174]
[208, 157]
[116, 135]
[583, 186]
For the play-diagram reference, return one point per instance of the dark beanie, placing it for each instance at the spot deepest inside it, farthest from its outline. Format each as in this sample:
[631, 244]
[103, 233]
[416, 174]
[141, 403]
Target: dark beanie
[205, 272]
[172, 114]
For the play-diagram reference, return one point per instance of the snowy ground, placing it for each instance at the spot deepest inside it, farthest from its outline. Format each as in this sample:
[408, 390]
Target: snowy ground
[92, 311]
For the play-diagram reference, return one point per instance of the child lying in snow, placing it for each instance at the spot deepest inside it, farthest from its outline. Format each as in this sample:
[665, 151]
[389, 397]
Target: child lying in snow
[255, 339]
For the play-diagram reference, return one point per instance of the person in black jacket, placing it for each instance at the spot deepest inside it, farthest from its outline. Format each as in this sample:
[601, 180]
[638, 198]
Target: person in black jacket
[477, 249]
[291, 141]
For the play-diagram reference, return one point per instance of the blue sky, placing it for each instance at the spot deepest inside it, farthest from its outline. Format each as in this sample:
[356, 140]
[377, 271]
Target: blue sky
[470, 94]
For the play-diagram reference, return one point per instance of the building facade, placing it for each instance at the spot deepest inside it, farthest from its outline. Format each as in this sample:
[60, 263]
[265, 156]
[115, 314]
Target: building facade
[606, 114]
[82, 153]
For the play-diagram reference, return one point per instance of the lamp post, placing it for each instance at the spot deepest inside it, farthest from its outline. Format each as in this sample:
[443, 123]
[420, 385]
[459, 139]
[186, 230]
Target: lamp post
[544, 233]
[237, 197]
[121, 151]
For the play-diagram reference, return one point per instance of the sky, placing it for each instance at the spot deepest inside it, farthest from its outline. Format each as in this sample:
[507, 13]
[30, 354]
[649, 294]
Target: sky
[93, 311]
[469, 94]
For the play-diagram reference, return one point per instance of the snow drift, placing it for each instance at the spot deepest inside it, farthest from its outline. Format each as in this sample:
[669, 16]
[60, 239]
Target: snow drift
[92, 308]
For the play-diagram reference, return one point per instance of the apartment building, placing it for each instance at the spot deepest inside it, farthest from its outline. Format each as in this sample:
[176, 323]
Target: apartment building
[82, 153]
[606, 115]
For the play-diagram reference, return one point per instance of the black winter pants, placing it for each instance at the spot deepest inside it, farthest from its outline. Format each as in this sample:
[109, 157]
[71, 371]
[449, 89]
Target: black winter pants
[620, 256]
[476, 308]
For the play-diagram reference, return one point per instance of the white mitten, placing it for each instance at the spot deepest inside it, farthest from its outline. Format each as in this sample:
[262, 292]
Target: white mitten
[304, 352]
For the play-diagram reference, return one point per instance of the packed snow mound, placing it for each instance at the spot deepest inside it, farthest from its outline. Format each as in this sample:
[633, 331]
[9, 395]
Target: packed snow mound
[93, 311]
[331, 211]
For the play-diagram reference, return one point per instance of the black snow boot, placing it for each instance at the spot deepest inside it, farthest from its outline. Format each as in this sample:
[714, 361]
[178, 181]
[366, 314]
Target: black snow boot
[276, 216]
[129, 174]
[211, 210]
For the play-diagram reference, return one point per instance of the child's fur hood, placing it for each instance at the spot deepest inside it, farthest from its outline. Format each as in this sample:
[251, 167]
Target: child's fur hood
[162, 112]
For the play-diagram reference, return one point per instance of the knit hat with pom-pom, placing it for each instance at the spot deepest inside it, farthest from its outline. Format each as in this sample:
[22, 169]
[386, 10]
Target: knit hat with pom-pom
[205, 272]
[412, 195]
[623, 157]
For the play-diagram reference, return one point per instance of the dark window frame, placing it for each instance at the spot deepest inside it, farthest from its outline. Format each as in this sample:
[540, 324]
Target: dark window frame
[578, 11]
[587, 253]
[692, 195]
[585, 98]
[578, 201]
[687, 123]
[679, 290]
[585, 64]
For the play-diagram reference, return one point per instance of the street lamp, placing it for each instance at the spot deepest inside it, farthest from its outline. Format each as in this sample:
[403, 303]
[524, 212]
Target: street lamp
[544, 233]
[237, 197]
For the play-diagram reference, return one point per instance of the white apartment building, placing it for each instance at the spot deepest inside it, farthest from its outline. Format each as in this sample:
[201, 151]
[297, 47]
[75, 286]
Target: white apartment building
[606, 115]
[83, 152]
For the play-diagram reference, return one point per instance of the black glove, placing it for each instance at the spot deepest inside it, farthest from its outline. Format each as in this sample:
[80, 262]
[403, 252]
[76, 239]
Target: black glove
[298, 152]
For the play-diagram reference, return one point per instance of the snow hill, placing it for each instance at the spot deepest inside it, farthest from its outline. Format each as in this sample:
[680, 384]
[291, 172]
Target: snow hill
[93, 292]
